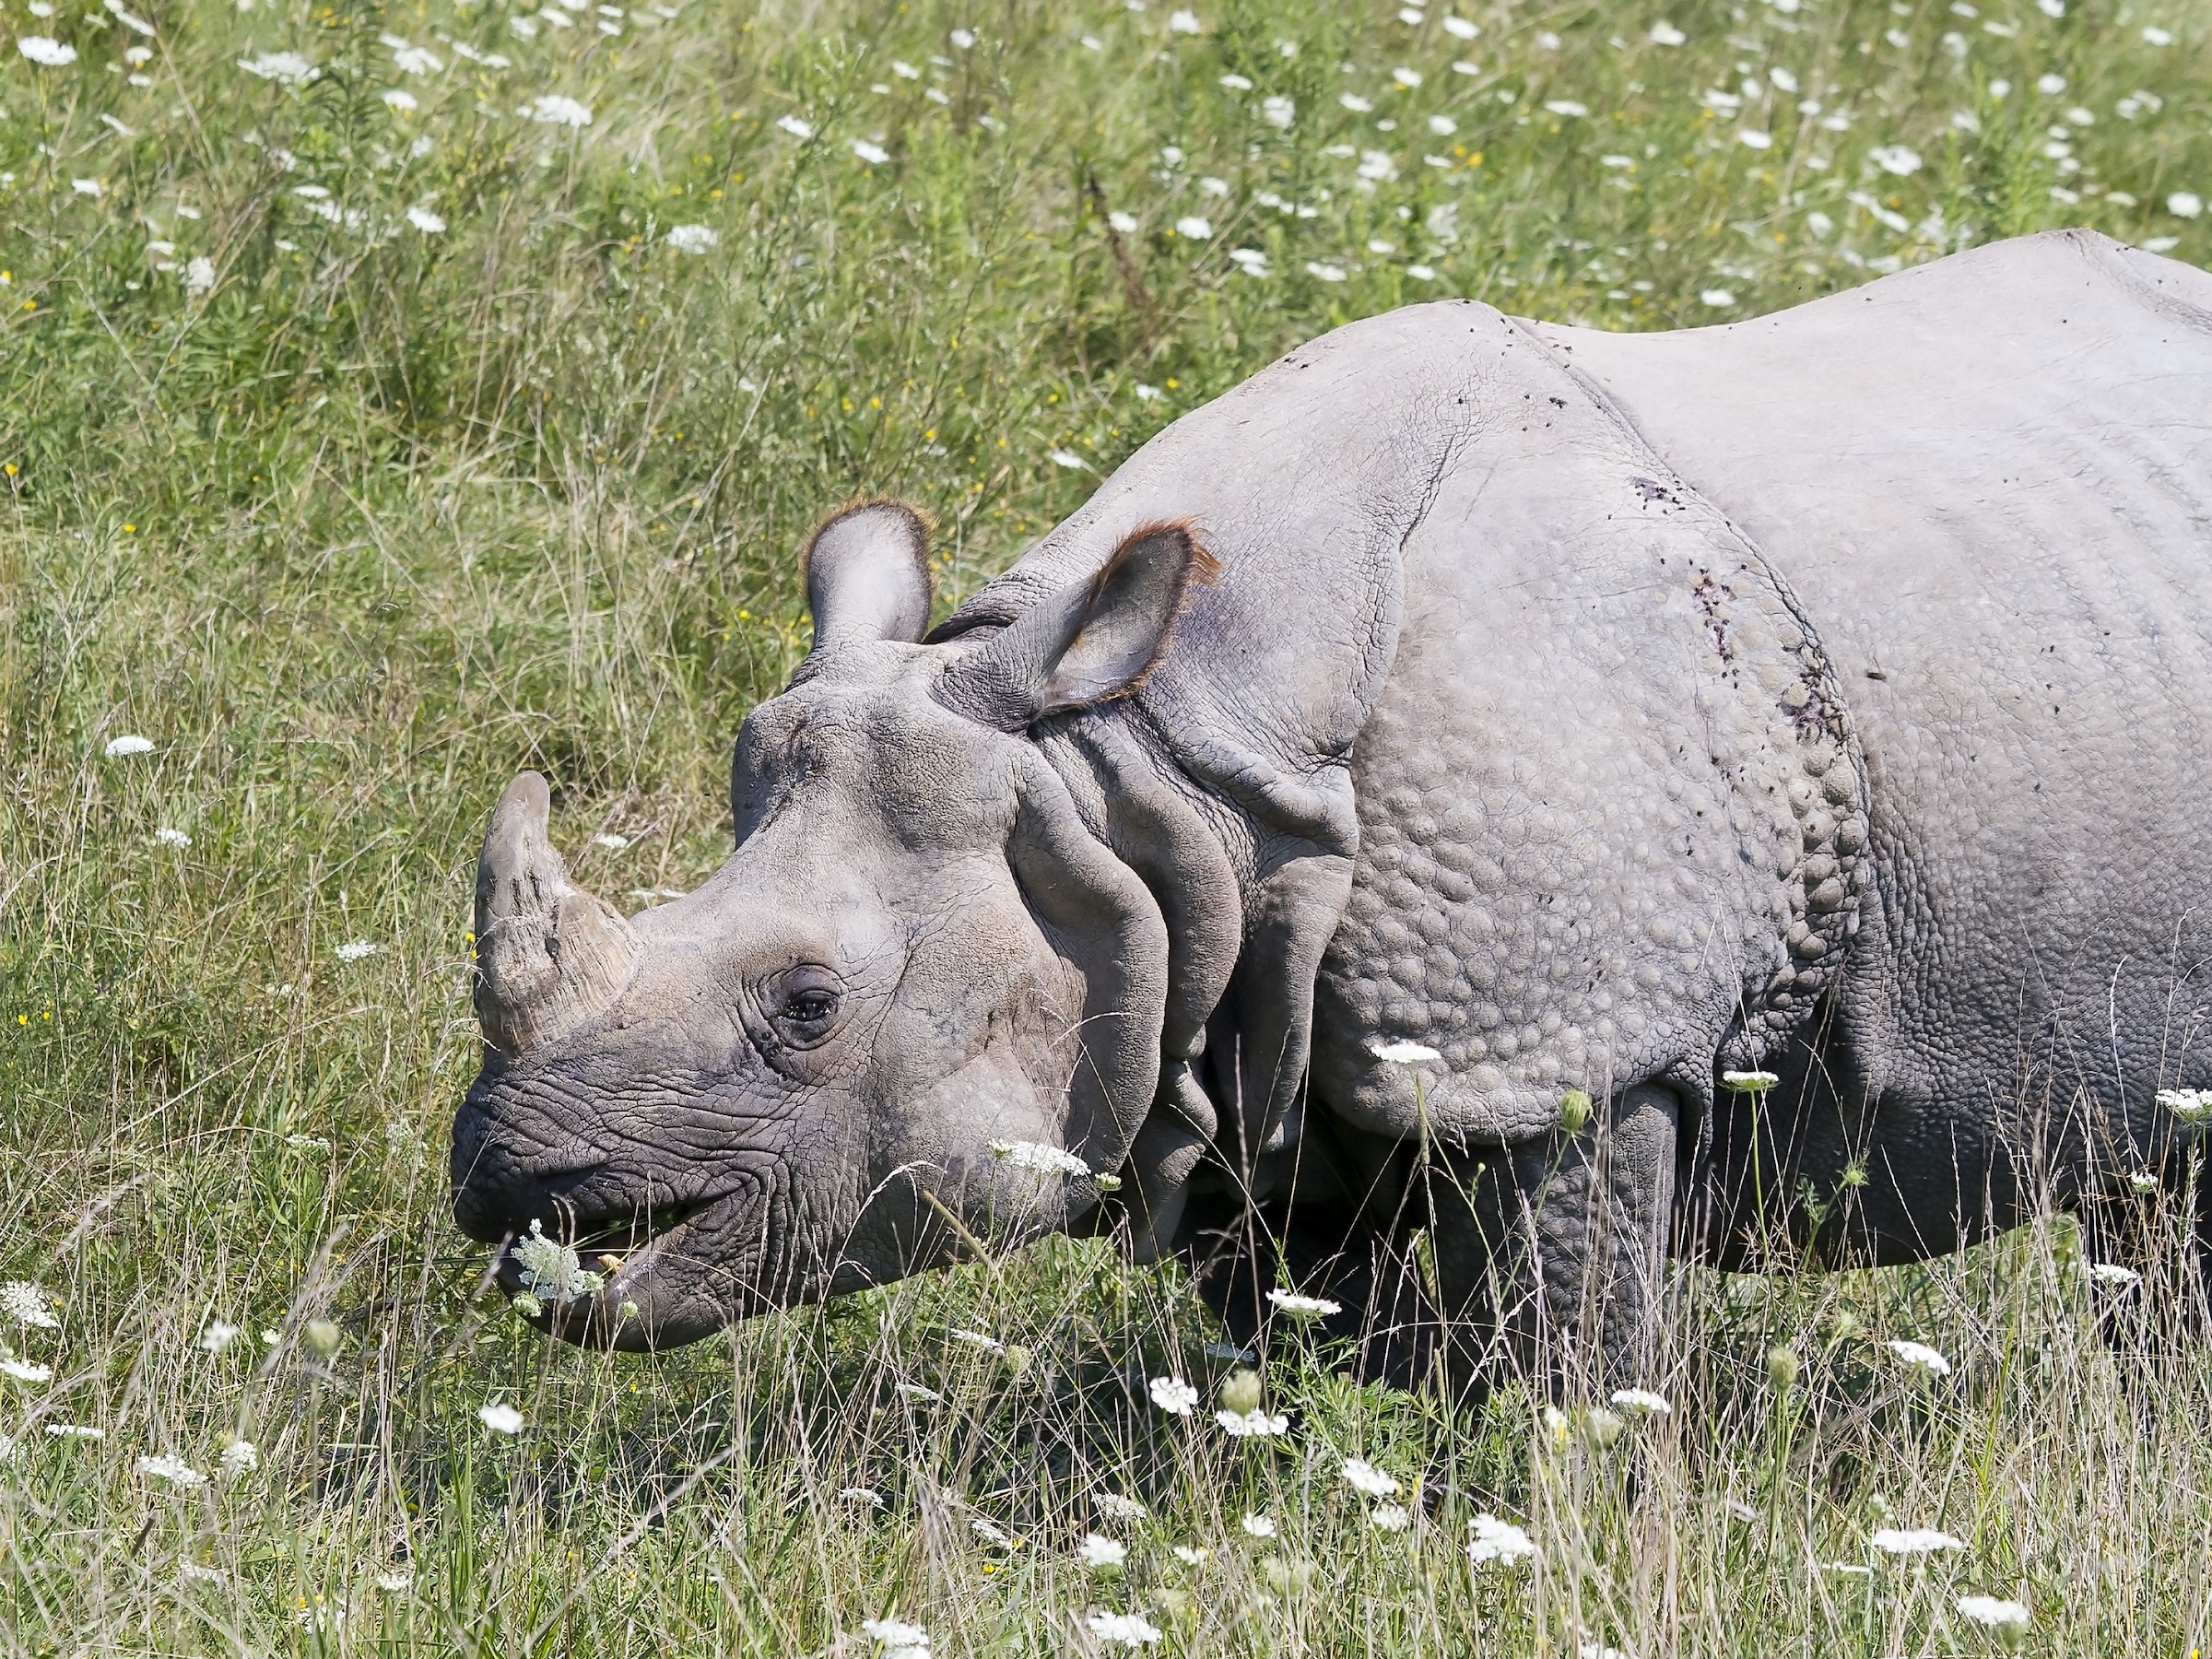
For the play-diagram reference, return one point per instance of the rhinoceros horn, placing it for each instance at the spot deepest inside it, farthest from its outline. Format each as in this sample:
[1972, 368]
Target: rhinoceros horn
[548, 954]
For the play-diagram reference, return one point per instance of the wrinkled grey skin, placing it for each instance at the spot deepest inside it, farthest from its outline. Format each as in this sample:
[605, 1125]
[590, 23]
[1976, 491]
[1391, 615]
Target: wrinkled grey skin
[1823, 694]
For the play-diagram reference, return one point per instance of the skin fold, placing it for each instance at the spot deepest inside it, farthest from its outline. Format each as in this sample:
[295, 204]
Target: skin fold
[1577, 719]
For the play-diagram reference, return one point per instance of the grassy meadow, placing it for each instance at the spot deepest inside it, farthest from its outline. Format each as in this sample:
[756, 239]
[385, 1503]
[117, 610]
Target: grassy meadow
[395, 396]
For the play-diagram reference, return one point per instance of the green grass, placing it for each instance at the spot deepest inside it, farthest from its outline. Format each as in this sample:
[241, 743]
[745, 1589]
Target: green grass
[373, 517]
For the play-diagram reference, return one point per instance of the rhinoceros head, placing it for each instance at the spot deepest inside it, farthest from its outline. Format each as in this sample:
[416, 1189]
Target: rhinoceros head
[789, 1083]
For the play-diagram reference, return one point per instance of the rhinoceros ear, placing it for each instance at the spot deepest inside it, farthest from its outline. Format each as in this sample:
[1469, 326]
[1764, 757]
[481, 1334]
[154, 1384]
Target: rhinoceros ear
[867, 575]
[1090, 642]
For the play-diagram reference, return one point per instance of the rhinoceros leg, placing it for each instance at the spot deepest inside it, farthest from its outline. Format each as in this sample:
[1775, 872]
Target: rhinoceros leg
[1386, 1327]
[1550, 1255]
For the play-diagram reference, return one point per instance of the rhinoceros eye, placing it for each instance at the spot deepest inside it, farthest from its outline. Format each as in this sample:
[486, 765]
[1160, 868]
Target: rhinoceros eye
[804, 1003]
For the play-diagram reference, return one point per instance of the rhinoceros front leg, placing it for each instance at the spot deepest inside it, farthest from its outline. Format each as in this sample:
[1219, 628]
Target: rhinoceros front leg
[1550, 1255]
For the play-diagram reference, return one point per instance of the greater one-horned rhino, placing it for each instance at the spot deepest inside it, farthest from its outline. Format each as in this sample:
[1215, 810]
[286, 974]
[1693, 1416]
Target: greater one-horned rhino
[1398, 799]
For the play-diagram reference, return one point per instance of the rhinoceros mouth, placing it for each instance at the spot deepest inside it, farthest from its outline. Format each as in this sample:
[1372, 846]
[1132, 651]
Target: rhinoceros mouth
[664, 1280]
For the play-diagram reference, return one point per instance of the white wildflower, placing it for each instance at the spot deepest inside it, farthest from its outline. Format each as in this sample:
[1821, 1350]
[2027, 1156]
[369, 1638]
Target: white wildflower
[353, 950]
[1667, 34]
[1252, 1425]
[199, 277]
[989, 1532]
[1640, 1402]
[1173, 1395]
[1421, 273]
[1278, 112]
[2185, 203]
[1075, 462]
[1304, 1307]
[875, 155]
[501, 1418]
[23, 1370]
[1185, 22]
[1364, 1476]
[1377, 167]
[1258, 1526]
[27, 1304]
[1719, 299]
[1404, 1053]
[424, 220]
[1567, 107]
[394, 1583]
[167, 837]
[1497, 1540]
[1443, 126]
[1406, 77]
[1196, 229]
[2156, 36]
[1920, 1357]
[320, 1614]
[414, 60]
[1098, 1551]
[1752, 138]
[239, 1457]
[550, 1267]
[962, 39]
[1115, 1507]
[76, 1431]
[1190, 1556]
[1356, 104]
[45, 50]
[174, 1470]
[2116, 1275]
[194, 1573]
[795, 126]
[395, 98]
[2050, 85]
[1895, 158]
[901, 1641]
[288, 69]
[1237, 83]
[2008, 1617]
[1034, 1155]
[524, 27]
[692, 239]
[976, 1340]
[554, 109]
[86, 187]
[1321, 271]
[1147, 394]
[1460, 28]
[1126, 1630]
[1124, 222]
[1390, 1517]
[1253, 261]
[1912, 1540]
[867, 1497]
[915, 1390]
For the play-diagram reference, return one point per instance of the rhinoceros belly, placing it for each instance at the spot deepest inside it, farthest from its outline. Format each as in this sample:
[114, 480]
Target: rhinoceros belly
[1989, 482]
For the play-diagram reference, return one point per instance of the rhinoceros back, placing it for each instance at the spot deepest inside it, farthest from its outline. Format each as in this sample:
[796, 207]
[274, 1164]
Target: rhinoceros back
[1989, 481]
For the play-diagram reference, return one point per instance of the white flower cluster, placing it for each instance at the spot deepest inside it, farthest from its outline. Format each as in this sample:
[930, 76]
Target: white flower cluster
[900, 1640]
[549, 1268]
[1363, 1476]
[2193, 1107]
[27, 1304]
[1912, 1540]
[1920, 1357]
[174, 1470]
[1124, 1629]
[1173, 1395]
[1035, 1155]
[1499, 1541]
[1304, 1307]
[1252, 1425]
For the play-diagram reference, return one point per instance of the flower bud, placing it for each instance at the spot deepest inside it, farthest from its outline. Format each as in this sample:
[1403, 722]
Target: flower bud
[1241, 1393]
[1575, 1108]
[1602, 1428]
[1014, 1357]
[322, 1337]
[1782, 1367]
[528, 1305]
